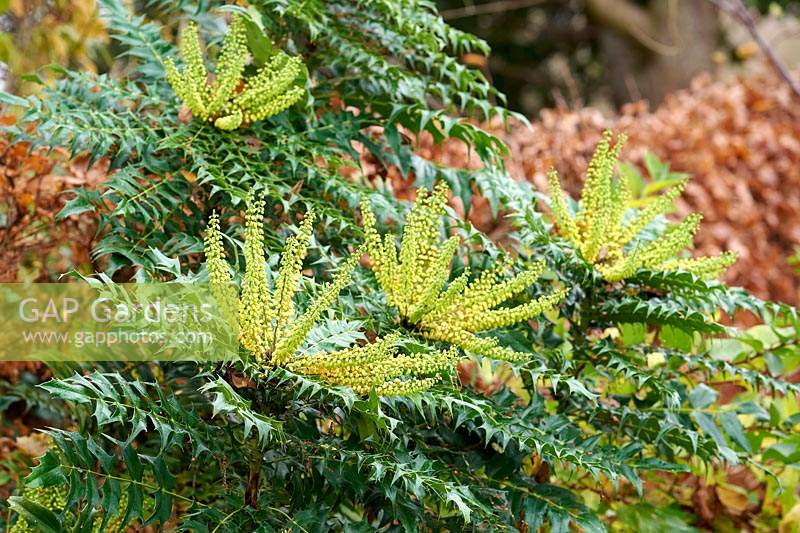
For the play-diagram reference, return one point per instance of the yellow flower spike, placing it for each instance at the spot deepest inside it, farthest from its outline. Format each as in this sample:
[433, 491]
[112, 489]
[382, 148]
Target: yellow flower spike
[437, 275]
[272, 333]
[231, 100]
[255, 308]
[415, 282]
[469, 342]
[450, 295]
[611, 242]
[704, 267]
[398, 387]
[360, 355]
[660, 206]
[419, 245]
[620, 199]
[564, 221]
[296, 332]
[195, 75]
[676, 238]
[377, 366]
[491, 290]
[598, 196]
[271, 90]
[219, 275]
[294, 253]
[382, 251]
[230, 66]
[230, 122]
[499, 318]
[192, 85]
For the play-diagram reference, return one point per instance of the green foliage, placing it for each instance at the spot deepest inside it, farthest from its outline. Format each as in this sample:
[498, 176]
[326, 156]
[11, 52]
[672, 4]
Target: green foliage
[652, 348]
[171, 169]
[612, 384]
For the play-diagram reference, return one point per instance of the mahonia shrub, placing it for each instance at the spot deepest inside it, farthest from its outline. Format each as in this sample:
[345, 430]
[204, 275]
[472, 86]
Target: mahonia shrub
[347, 416]
[650, 348]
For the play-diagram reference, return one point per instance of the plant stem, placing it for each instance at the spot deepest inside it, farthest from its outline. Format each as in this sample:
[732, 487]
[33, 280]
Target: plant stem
[253, 481]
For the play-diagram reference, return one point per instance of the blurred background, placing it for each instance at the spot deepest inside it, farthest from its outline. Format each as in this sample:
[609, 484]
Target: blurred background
[605, 53]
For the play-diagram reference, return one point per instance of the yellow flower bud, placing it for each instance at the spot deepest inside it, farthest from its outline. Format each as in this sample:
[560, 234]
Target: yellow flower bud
[51, 498]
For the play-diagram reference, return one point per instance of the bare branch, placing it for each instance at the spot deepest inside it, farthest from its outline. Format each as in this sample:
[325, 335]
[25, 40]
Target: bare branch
[738, 10]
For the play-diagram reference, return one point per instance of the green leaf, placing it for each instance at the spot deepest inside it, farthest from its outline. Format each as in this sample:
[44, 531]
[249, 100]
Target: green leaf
[725, 349]
[632, 333]
[47, 473]
[260, 45]
[132, 461]
[10, 99]
[171, 265]
[332, 335]
[732, 426]
[709, 427]
[657, 169]
[676, 338]
[462, 506]
[702, 396]
[42, 518]
[633, 178]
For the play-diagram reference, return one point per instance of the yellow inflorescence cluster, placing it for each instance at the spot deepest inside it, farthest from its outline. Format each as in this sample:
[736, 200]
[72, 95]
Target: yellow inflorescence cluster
[231, 100]
[377, 365]
[607, 236]
[55, 499]
[414, 282]
[272, 334]
[220, 279]
[51, 498]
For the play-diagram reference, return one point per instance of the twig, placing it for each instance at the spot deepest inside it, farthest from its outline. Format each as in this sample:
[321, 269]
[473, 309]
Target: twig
[738, 10]
[484, 9]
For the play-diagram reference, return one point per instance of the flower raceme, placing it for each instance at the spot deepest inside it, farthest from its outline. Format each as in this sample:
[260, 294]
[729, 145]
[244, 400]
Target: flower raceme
[377, 365]
[414, 283]
[54, 498]
[231, 100]
[272, 334]
[608, 235]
